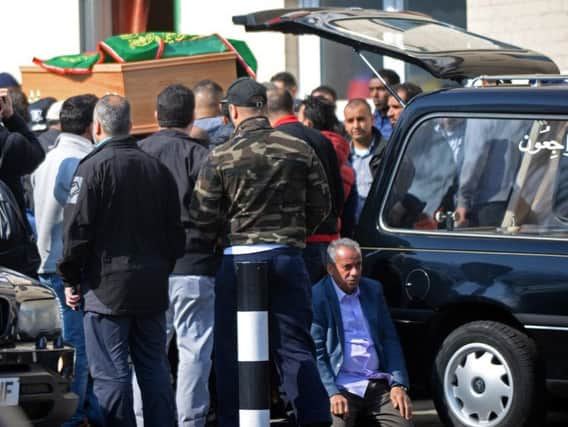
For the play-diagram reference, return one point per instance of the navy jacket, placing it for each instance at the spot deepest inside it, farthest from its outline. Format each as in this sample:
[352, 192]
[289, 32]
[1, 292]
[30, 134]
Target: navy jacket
[183, 156]
[328, 335]
[326, 154]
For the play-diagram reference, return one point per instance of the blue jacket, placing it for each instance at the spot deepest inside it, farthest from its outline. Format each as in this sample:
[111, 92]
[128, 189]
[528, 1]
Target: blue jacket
[327, 331]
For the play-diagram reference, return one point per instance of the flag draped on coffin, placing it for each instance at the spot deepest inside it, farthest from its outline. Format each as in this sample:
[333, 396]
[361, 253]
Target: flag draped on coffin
[153, 45]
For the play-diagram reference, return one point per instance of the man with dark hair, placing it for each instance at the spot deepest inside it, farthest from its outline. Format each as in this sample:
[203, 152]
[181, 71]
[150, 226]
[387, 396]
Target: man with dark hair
[261, 195]
[51, 184]
[208, 115]
[280, 108]
[191, 285]
[326, 92]
[318, 113]
[121, 237]
[367, 142]
[20, 154]
[406, 91]
[285, 80]
[380, 96]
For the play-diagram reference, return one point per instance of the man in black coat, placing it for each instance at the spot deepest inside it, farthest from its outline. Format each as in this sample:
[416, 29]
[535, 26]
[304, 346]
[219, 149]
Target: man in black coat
[192, 284]
[20, 154]
[122, 236]
[280, 107]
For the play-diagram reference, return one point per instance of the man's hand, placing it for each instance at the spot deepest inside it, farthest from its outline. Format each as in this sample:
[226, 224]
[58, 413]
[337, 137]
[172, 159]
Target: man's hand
[461, 219]
[339, 405]
[401, 401]
[6, 108]
[72, 297]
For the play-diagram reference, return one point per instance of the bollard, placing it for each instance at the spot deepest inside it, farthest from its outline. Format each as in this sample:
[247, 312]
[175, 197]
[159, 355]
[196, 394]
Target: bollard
[252, 341]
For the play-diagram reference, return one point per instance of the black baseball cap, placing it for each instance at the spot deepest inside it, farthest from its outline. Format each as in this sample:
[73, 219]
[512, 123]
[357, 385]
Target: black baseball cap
[246, 92]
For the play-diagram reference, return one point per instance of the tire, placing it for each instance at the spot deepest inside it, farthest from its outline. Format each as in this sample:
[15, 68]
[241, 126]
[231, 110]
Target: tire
[486, 374]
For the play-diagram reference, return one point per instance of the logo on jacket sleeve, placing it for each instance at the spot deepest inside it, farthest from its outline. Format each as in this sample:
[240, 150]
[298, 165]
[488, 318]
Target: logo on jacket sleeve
[74, 190]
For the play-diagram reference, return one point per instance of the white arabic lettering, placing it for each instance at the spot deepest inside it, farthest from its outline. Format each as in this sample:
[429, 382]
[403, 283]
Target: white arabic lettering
[526, 146]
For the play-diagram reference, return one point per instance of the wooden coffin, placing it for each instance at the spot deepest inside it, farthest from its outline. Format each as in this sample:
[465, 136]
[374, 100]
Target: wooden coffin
[140, 82]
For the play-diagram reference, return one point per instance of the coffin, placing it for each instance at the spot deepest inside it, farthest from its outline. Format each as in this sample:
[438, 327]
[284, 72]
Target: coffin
[140, 82]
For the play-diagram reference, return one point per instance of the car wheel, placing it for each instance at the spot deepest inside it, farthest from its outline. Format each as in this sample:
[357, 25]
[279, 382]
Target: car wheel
[485, 374]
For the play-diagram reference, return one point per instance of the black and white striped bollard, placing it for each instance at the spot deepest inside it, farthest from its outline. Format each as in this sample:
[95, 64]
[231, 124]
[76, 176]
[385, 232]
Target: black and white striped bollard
[252, 339]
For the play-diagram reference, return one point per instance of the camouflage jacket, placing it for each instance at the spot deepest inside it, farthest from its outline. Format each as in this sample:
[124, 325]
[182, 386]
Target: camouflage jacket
[262, 186]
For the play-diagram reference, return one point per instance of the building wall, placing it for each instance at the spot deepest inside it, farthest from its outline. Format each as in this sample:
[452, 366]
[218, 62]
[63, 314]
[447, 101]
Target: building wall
[38, 28]
[215, 16]
[540, 25]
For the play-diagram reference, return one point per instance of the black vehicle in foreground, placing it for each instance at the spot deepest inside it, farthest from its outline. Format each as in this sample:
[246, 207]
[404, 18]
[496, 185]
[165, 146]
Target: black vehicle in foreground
[466, 224]
[35, 366]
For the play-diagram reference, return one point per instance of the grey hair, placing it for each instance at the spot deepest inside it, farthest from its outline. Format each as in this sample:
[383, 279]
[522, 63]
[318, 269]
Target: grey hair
[345, 242]
[113, 113]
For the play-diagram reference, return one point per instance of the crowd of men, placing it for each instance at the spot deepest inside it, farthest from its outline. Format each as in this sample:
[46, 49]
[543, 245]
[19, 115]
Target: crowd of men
[139, 239]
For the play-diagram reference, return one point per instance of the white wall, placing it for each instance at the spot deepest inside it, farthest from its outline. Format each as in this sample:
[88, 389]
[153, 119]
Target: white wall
[40, 28]
[539, 25]
[215, 16]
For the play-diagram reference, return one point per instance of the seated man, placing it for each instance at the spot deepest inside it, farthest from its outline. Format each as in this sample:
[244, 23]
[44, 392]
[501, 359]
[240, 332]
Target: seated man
[359, 357]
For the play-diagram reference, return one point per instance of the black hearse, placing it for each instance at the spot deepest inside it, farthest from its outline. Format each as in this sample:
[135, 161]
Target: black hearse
[466, 224]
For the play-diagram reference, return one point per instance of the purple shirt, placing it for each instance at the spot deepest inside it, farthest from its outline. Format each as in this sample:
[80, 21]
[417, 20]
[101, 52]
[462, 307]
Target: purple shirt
[360, 359]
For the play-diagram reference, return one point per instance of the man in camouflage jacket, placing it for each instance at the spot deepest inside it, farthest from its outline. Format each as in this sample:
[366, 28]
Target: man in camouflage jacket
[262, 193]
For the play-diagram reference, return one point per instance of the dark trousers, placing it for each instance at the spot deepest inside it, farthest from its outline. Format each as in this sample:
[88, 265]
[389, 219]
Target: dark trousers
[291, 345]
[109, 342]
[488, 214]
[372, 410]
[315, 257]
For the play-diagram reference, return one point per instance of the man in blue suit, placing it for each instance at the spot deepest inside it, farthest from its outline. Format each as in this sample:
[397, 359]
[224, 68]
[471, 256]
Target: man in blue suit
[359, 357]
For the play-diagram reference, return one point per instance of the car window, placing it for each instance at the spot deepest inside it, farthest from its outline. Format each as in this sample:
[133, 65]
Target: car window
[483, 175]
[417, 35]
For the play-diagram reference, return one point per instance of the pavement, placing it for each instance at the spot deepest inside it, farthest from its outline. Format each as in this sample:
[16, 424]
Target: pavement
[425, 416]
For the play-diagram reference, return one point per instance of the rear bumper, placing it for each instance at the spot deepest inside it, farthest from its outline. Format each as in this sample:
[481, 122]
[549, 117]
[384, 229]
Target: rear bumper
[45, 395]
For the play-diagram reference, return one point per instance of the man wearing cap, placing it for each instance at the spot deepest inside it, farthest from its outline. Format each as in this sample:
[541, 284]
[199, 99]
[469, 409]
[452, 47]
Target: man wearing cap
[47, 139]
[261, 194]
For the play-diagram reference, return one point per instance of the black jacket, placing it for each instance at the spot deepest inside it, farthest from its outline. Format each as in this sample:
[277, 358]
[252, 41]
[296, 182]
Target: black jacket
[122, 232]
[326, 154]
[20, 154]
[183, 156]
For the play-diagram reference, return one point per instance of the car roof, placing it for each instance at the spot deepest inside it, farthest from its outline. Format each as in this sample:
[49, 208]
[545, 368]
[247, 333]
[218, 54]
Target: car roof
[492, 100]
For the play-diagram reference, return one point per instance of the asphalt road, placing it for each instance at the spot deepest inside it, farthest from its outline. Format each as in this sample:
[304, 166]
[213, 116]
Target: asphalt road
[425, 416]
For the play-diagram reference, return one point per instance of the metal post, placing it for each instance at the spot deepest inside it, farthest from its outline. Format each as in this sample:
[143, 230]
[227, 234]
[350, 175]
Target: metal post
[378, 76]
[252, 341]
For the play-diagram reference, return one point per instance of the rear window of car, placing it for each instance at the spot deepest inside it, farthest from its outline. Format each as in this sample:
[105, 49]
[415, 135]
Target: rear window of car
[505, 176]
[417, 35]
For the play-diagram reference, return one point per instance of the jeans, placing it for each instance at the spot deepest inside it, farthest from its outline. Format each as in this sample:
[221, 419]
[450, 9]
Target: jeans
[110, 340]
[191, 317]
[291, 345]
[72, 322]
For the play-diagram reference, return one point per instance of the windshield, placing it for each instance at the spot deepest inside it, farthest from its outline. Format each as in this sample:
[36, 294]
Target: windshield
[416, 35]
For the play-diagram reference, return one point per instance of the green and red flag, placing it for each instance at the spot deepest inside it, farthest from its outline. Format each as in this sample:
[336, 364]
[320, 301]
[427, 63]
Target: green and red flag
[153, 45]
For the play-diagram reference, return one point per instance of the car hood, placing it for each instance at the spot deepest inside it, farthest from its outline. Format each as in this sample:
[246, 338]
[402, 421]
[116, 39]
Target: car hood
[442, 49]
[19, 287]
